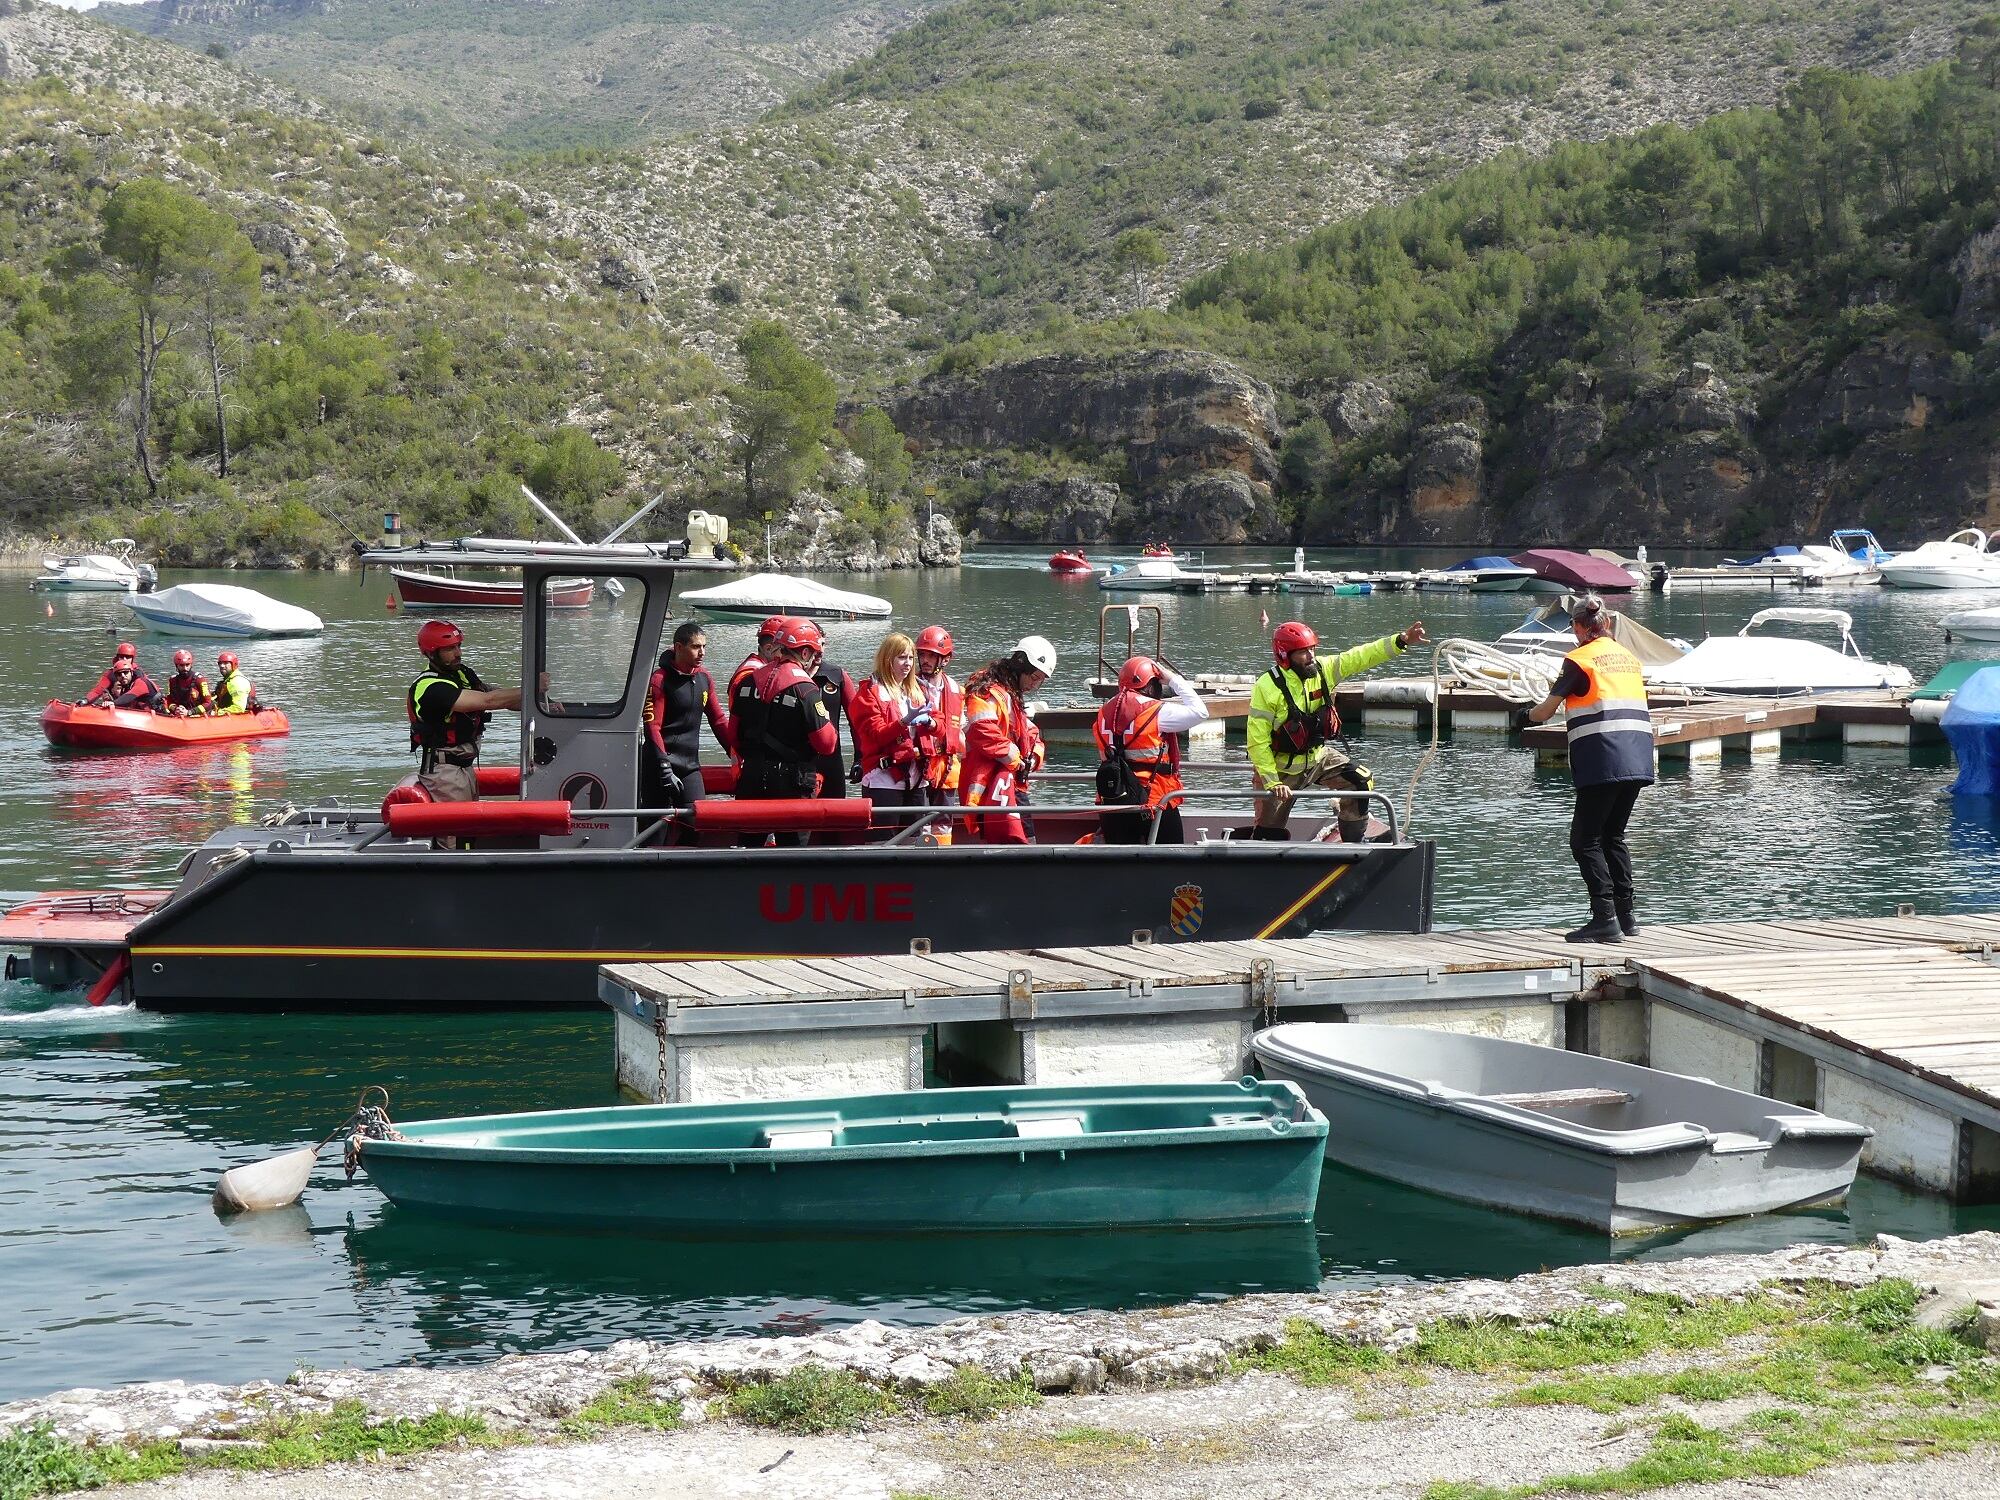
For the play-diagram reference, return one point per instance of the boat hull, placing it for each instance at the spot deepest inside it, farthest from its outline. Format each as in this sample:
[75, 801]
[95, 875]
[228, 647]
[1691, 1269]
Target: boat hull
[420, 929]
[947, 1161]
[1940, 578]
[1618, 1182]
[71, 727]
[429, 589]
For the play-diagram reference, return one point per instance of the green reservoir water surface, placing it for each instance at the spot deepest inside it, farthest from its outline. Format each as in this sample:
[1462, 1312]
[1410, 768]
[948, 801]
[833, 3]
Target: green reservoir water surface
[114, 1124]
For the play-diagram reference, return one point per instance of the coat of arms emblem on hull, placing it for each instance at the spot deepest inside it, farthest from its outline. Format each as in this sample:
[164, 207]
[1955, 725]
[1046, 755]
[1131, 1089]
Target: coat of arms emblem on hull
[1184, 913]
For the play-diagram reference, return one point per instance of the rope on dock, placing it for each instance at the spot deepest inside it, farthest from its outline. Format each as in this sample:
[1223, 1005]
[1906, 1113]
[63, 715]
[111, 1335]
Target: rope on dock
[1525, 678]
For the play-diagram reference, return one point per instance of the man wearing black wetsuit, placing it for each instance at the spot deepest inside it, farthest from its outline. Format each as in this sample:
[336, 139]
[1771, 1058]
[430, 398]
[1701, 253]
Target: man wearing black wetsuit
[679, 696]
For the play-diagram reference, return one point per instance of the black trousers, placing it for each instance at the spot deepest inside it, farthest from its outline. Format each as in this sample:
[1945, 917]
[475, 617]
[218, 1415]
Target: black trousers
[1597, 839]
[1130, 828]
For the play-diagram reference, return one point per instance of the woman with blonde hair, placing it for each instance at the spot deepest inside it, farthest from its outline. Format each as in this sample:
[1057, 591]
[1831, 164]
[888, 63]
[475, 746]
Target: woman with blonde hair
[893, 720]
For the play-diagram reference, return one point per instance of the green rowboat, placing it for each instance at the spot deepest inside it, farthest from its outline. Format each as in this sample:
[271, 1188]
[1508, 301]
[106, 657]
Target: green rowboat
[948, 1160]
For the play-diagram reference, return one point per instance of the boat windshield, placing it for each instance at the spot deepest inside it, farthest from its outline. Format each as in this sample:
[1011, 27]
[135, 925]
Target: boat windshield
[587, 655]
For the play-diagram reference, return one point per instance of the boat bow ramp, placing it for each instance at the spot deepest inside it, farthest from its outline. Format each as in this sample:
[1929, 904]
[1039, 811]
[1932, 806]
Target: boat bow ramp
[1893, 1022]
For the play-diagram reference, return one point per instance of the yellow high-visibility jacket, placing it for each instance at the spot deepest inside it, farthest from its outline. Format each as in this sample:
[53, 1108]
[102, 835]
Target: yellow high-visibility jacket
[1312, 694]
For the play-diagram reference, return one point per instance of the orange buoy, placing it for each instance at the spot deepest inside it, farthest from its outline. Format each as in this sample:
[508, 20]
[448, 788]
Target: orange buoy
[391, 604]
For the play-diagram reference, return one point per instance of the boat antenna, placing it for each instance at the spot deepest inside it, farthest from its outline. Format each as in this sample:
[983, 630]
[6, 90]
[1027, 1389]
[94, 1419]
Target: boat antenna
[611, 585]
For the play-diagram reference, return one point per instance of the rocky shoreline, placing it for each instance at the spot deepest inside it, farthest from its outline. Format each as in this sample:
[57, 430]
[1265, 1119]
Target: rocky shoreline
[1058, 1355]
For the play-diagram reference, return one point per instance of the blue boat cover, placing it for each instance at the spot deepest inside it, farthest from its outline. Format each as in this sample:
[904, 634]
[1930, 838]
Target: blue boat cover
[1480, 562]
[1972, 724]
[1776, 554]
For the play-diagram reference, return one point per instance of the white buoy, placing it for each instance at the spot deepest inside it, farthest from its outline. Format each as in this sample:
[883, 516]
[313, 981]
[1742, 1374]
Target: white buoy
[273, 1183]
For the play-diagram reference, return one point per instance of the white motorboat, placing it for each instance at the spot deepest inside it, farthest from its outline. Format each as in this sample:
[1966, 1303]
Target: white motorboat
[1807, 566]
[1777, 666]
[1616, 1147]
[1954, 563]
[763, 594]
[108, 572]
[1973, 625]
[1858, 543]
[1482, 575]
[1157, 575]
[223, 610]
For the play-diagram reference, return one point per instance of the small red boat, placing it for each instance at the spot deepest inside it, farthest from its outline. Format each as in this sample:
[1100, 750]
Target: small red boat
[1156, 549]
[1069, 562]
[80, 728]
[479, 593]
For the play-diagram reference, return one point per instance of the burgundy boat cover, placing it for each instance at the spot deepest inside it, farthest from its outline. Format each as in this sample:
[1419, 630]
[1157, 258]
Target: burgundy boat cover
[1579, 570]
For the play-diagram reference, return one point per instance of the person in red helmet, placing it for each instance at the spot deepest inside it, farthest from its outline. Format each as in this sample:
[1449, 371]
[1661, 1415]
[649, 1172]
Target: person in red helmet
[1293, 728]
[233, 693]
[1138, 744]
[742, 689]
[448, 708]
[946, 752]
[187, 691]
[123, 685]
[783, 728]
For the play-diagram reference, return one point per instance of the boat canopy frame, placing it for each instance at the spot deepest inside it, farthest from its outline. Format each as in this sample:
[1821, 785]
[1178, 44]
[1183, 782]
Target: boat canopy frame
[1802, 614]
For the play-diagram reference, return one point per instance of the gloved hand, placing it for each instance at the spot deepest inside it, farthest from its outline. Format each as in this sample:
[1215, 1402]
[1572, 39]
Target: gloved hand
[669, 783]
[921, 714]
[1518, 720]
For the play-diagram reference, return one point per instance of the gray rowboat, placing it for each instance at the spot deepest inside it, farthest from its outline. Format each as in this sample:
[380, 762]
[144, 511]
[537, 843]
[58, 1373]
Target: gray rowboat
[1563, 1135]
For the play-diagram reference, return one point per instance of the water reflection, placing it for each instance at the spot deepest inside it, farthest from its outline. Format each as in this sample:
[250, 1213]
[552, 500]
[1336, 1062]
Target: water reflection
[497, 1290]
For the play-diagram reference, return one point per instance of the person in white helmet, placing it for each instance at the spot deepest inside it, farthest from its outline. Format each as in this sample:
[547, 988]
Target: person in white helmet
[1002, 746]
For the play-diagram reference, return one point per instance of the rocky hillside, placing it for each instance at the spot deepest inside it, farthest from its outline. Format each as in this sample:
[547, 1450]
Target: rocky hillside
[1006, 165]
[1777, 323]
[523, 75]
[418, 337]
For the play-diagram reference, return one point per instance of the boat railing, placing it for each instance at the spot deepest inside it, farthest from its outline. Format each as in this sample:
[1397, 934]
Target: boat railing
[655, 820]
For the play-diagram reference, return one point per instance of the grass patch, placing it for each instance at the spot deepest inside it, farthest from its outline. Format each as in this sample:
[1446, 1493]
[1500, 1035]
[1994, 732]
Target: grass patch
[811, 1399]
[628, 1403]
[1853, 1379]
[1312, 1356]
[34, 1461]
[37, 1462]
[972, 1393]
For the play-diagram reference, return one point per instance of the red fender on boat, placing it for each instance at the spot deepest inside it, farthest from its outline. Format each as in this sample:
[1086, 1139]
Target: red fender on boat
[765, 815]
[427, 820]
[111, 980]
[494, 781]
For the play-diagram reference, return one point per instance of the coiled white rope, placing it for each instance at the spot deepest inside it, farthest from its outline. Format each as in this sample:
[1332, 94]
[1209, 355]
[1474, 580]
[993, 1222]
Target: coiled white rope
[1524, 678]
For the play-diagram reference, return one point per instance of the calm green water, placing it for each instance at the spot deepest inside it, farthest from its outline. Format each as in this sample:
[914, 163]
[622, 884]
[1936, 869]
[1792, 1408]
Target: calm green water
[114, 1125]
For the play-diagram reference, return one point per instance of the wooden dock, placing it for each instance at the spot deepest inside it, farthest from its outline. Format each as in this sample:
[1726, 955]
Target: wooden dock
[1893, 1021]
[1708, 725]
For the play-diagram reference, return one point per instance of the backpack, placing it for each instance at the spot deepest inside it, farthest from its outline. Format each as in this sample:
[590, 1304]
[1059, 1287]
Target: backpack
[1118, 784]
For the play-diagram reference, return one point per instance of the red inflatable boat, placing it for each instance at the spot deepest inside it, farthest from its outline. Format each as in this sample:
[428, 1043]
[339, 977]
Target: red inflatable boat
[76, 728]
[1069, 562]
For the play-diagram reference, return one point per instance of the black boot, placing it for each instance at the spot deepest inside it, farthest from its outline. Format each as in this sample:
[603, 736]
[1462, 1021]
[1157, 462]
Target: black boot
[1628, 921]
[1596, 930]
